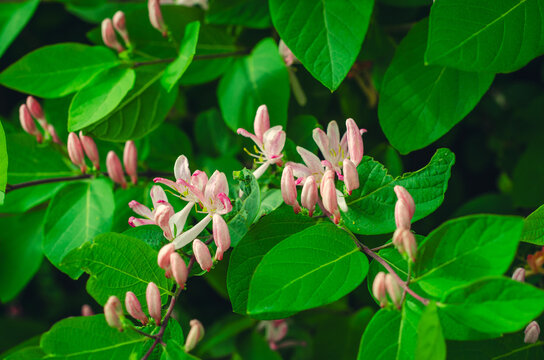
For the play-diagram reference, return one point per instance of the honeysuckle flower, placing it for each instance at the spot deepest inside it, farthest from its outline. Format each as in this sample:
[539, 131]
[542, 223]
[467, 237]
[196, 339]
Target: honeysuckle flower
[332, 148]
[536, 262]
[28, 124]
[393, 290]
[378, 289]
[289, 188]
[36, 110]
[312, 167]
[115, 169]
[113, 312]
[179, 269]
[153, 297]
[351, 177]
[155, 16]
[269, 141]
[309, 195]
[119, 23]
[108, 36]
[519, 274]
[86, 310]
[130, 160]
[75, 152]
[532, 332]
[329, 195]
[202, 255]
[287, 55]
[221, 236]
[196, 333]
[405, 242]
[89, 146]
[134, 308]
[182, 173]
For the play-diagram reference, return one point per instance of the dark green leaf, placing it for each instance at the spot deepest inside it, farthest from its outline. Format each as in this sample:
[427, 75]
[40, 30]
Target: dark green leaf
[430, 341]
[213, 136]
[252, 345]
[174, 351]
[167, 142]
[527, 177]
[508, 347]
[248, 13]
[407, 3]
[57, 70]
[325, 36]
[13, 18]
[533, 230]
[419, 103]
[219, 339]
[3, 164]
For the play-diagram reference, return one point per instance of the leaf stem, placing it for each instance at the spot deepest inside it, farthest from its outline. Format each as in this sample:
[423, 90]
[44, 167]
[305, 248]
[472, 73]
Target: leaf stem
[196, 57]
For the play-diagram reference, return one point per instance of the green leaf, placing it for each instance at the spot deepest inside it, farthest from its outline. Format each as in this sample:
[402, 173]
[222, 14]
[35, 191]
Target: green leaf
[117, 262]
[220, 337]
[465, 249]
[246, 207]
[57, 70]
[533, 230]
[143, 109]
[430, 341]
[252, 345]
[407, 3]
[249, 252]
[260, 78]
[419, 103]
[77, 213]
[311, 268]
[174, 351]
[371, 208]
[510, 346]
[20, 253]
[486, 35]
[88, 337]
[13, 18]
[494, 304]
[3, 164]
[100, 97]
[326, 36]
[176, 68]
[247, 13]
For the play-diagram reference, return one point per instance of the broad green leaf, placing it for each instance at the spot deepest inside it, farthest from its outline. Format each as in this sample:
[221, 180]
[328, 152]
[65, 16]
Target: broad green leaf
[57, 70]
[88, 337]
[270, 201]
[253, 345]
[487, 35]
[20, 252]
[407, 3]
[419, 103]
[371, 208]
[117, 262]
[220, 337]
[430, 341]
[77, 213]
[3, 164]
[175, 351]
[142, 110]
[311, 268]
[13, 18]
[27, 353]
[326, 36]
[527, 177]
[262, 237]
[248, 13]
[260, 78]
[100, 97]
[176, 68]
[493, 304]
[30, 161]
[508, 347]
[212, 135]
[533, 230]
[97, 10]
[173, 332]
[465, 249]
[166, 143]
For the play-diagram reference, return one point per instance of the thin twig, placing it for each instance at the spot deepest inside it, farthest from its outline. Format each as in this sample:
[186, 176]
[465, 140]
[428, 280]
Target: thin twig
[196, 57]
[143, 333]
[382, 247]
[46, 181]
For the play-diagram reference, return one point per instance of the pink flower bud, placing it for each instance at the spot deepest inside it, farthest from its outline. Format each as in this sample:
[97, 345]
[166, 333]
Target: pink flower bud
[119, 23]
[86, 310]
[35, 108]
[532, 332]
[405, 242]
[130, 160]
[155, 16]
[262, 122]
[328, 194]
[163, 259]
[308, 198]
[163, 213]
[75, 152]
[404, 196]
[108, 36]
[28, 123]
[289, 189]
[134, 308]
[519, 274]
[115, 170]
[179, 269]
[196, 333]
[51, 130]
[89, 146]
[355, 142]
[393, 290]
[153, 297]
[113, 312]
[351, 176]
[378, 288]
[221, 236]
[402, 215]
[202, 255]
[288, 57]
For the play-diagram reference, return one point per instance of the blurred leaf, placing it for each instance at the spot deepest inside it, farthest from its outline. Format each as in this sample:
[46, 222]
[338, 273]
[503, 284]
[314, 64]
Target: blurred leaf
[213, 136]
[3, 164]
[430, 341]
[260, 78]
[57, 70]
[245, 208]
[175, 351]
[28, 353]
[300, 131]
[407, 3]
[247, 13]
[96, 100]
[493, 36]
[220, 338]
[325, 36]
[97, 10]
[419, 103]
[13, 18]
[252, 345]
[533, 230]
[77, 213]
[487, 204]
[528, 178]
[122, 211]
[510, 346]
[167, 142]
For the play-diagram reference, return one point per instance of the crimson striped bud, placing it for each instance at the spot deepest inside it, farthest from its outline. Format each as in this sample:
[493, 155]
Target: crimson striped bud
[519, 274]
[393, 290]
[153, 297]
[309, 195]
[35, 109]
[196, 333]
[119, 23]
[28, 124]
[134, 308]
[351, 177]
[113, 312]
[202, 255]
[155, 16]
[89, 146]
[289, 188]
[221, 236]
[378, 289]
[532, 332]
[75, 152]
[115, 169]
[179, 269]
[108, 36]
[130, 160]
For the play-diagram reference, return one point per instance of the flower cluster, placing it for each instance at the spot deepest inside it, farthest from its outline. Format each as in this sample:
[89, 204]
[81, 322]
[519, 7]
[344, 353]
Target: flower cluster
[33, 110]
[403, 239]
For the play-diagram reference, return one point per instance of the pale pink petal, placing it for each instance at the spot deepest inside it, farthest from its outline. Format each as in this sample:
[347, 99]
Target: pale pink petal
[181, 168]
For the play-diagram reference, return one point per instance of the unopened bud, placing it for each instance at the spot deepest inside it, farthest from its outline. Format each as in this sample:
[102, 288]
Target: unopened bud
[163, 259]
[108, 36]
[404, 196]
[351, 177]
[519, 274]
[196, 333]
[134, 308]
[119, 23]
[35, 109]
[202, 255]
[113, 312]
[262, 122]
[289, 189]
[115, 170]
[130, 160]
[309, 195]
[402, 215]
[179, 269]
[393, 290]
[51, 130]
[288, 57]
[532, 332]
[89, 146]
[162, 216]
[86, 310]
[328, 194]
[378, 289]
[153, 297]
[28, 124]
[75, 152]
[155, 16]
[221, 236]
[405, 242]
[355, 142]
